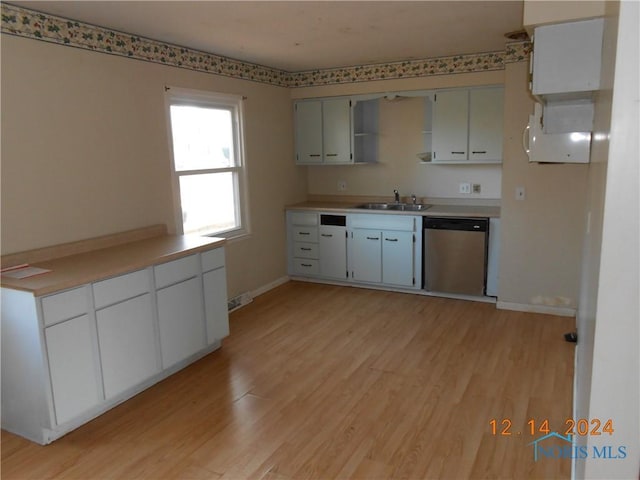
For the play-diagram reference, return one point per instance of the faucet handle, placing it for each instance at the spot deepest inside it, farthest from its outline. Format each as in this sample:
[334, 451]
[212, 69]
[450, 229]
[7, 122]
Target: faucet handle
[414, 199]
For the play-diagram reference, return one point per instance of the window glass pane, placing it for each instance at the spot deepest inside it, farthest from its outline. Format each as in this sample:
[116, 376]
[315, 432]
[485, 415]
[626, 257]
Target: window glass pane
[202, 137]
[208, 202]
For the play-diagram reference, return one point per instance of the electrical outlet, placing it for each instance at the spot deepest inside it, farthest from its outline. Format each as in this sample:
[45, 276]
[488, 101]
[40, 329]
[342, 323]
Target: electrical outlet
[342, 185]
[465, 187]
[520, 193]
[476, 188]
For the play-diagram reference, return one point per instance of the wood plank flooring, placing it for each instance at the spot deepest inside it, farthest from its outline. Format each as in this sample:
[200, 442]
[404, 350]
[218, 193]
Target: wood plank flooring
[318, 381]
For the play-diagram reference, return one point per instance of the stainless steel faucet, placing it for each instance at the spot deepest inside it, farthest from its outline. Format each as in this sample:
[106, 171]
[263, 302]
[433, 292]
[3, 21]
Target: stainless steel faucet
[397, 196]
[414, 199]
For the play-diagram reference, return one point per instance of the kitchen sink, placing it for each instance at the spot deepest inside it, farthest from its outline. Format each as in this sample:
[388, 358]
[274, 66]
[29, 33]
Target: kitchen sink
[403, 207]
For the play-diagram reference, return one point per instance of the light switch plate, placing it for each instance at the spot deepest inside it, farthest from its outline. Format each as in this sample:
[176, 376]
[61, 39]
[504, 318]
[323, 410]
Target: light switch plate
[465, 187]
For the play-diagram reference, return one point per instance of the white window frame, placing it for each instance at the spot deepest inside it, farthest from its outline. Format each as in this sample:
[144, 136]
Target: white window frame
[234, 103]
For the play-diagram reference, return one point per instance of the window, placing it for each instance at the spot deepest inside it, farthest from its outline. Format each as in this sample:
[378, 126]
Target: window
[208, 167]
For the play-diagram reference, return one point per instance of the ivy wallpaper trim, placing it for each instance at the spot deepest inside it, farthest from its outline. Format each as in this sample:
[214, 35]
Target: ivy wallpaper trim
[27, 23]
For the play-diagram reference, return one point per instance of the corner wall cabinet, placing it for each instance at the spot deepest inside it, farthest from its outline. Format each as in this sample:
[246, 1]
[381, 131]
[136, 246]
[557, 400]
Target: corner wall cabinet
[336, 131]
[323, 131]
[71, 355]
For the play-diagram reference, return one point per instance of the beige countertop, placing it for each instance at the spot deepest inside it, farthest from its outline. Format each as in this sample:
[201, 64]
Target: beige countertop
[86, 267]
[436, 210]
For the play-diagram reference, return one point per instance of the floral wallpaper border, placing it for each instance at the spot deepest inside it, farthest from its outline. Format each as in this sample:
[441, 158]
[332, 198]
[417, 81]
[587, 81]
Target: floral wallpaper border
[27, 23]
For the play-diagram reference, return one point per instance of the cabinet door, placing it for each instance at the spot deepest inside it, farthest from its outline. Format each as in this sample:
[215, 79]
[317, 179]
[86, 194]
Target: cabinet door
[450, 125]
[308, 123]
[72, 366]
[215, 304]
[336, 123]
[366, 256]
[127, 344]
[181, 321]
[485, 123]
[333, 252]
[398, 258]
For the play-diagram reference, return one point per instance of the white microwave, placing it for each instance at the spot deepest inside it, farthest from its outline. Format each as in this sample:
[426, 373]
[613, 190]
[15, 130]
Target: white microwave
[571, 147]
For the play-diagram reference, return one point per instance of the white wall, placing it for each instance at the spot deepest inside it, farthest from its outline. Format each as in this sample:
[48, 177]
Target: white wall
[85, 153]
[542, 234]
[615, 384]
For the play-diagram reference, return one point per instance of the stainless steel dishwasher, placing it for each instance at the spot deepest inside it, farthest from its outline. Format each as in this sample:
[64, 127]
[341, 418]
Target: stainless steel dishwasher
[455, 255]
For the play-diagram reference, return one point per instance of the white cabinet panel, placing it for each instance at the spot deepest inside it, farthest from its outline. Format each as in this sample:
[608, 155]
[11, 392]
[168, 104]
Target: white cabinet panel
[126, 336]
[485, 123]
[450, 125]
[120, 288]
[333, 252]
[366, 256]
[398, 258]
[65, 305]
[181, 321]
[336, 121]
[308, 122]
[493, 261]
[212, 259]
[176, 270]
[72, 366]
[215, 305]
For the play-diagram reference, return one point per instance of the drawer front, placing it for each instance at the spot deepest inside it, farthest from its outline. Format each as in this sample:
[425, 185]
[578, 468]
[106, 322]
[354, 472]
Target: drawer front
[65, 305]
[408, 223]
[117, 289]
[176, 271]
[305, 234]
[305, 250]
[305, 266]
[304, 218]
[212, 259]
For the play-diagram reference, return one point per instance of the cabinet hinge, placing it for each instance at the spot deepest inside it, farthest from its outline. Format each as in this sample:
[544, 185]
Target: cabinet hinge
[347, 273]
[351, 156]
[346, 235]
[414, 238]
[414, 280]
[435, 97]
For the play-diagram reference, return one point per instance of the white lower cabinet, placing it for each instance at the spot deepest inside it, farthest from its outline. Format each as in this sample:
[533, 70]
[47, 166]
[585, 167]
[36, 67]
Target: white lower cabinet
[126, 335]
[215, 304]
[398, 255]
[70, 356]
[181, 321]
[72, 368]
[366, 256]
[332, 256]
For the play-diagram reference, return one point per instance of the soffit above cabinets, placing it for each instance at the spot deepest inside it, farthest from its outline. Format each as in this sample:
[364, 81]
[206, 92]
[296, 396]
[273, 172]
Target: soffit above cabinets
[307, 35]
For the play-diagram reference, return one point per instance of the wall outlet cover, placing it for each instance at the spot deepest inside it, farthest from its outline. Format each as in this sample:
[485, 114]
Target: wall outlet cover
[520, 193]
[476, 188]
[465, 187]
[342, 185]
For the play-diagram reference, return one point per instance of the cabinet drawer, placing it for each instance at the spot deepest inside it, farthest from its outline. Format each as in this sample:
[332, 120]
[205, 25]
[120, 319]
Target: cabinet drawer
[305, 250]
[305, 234]
[65, 305]
[175, 271]
[305, 266]
[212, 259]
[306, 219]
[117, 289]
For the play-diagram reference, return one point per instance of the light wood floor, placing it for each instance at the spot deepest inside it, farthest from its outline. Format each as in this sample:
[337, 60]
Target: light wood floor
[318, 381]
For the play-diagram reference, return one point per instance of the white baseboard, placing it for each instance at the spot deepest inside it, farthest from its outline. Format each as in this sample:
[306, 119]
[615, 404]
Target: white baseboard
[269, 286]
[527, 307]
[247, 297]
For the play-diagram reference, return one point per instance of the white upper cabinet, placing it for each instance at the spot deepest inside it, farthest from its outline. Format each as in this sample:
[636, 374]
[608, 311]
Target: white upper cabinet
[336, 124]
[566, 59]
[451, 125]
[323, 131]
[467, 125]
[486, 110]
[308, 123]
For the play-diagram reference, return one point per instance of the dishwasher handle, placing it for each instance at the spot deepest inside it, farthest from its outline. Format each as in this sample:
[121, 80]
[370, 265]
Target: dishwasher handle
[455, 223]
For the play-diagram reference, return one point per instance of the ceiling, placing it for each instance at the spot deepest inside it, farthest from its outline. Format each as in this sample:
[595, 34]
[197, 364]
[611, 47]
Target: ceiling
[306, 35]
